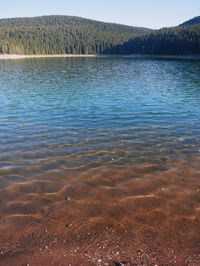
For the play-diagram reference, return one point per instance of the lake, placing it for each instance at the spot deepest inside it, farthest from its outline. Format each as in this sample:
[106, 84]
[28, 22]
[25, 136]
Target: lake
[102, 146]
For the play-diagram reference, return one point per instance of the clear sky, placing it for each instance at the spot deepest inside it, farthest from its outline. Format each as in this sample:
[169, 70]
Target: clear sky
[145, 13]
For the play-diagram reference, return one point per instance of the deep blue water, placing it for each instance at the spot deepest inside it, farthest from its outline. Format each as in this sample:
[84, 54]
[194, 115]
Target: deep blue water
[74, 114]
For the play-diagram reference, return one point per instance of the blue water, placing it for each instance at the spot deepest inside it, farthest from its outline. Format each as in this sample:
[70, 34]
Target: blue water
[74, 114]
[99, 157]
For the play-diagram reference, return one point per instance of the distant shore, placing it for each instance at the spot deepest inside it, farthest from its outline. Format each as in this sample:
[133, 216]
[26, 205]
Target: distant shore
[185, 57]
[15, 56]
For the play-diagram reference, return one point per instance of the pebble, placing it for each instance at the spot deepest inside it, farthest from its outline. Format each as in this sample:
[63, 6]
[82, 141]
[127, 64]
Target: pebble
[67, 198]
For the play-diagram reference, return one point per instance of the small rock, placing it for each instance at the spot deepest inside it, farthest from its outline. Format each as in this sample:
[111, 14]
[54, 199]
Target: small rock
[67, 198]
[123, 263]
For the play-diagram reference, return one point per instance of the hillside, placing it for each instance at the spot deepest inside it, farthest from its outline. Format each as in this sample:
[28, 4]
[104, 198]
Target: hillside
[62, 34]
[75, 35]
[180, 40]
[192, 21]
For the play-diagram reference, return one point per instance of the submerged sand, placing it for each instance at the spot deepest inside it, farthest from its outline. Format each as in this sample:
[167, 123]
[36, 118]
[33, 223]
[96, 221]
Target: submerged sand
[147, 214]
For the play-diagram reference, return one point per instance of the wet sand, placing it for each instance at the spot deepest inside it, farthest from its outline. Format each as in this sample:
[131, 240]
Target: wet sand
[147, 214]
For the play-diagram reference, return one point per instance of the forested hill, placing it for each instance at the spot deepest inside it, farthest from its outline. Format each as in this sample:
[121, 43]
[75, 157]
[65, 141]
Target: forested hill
[62, 34]
[192, 21]
[75, 35]
[180, 40]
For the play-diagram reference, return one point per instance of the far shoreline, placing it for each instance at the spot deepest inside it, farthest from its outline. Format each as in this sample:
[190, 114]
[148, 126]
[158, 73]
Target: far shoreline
[155, 56]
[16, 56]
[136, 56]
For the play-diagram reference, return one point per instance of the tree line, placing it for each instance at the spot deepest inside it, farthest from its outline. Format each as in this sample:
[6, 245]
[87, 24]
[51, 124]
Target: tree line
[184, 40]
[62, 35]
[75, 35]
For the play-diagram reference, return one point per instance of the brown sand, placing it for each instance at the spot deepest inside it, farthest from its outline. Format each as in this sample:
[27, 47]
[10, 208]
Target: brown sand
[141, 215]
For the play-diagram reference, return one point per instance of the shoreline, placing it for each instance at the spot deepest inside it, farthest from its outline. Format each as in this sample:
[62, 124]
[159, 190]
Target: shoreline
[154, 56]
[137, 56]
[15, 56]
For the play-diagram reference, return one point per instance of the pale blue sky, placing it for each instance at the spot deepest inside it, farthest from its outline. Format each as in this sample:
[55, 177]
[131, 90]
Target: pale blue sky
[145, 13]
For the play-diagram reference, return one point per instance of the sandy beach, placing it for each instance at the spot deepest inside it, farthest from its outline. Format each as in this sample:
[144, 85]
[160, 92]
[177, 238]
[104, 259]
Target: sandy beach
[15, 56]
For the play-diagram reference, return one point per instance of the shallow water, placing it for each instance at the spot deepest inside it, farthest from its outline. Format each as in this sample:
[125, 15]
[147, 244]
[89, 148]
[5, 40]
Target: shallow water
[81, 113]
[116, 138]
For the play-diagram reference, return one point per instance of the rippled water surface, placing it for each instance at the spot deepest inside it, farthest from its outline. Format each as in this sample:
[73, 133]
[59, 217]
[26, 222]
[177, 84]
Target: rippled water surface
[100, 123]
[81, 113]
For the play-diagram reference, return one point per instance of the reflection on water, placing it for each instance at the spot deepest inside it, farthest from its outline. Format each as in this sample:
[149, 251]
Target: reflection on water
[99, 143]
